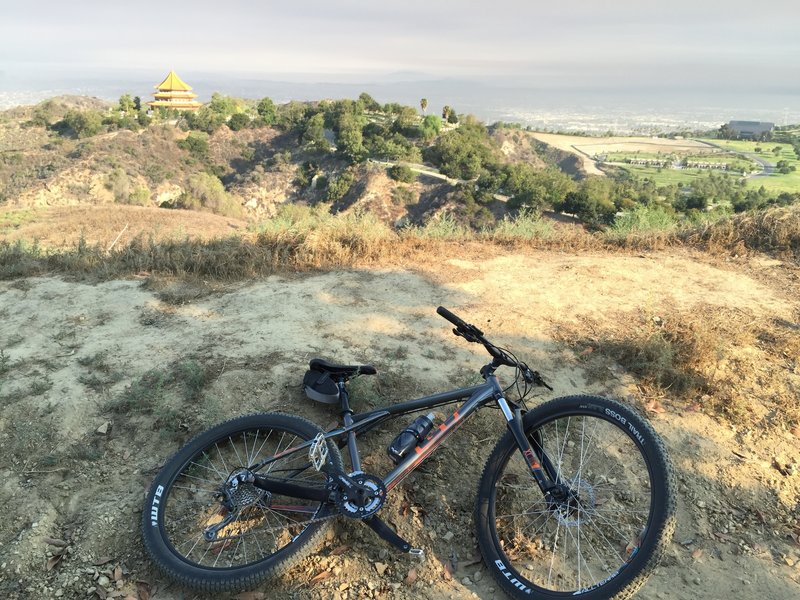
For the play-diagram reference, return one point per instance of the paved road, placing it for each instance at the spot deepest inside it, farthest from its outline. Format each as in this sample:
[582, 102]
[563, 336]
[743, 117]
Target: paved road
[767, 169]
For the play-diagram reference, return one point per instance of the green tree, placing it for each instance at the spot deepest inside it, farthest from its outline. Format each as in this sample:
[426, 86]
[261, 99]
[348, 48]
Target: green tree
[405, 122]
[224, 105]
[84, 123]
[205, 119]
[402, 173]
[291, 115]
[137, 104]
[266, 111]
[350, 138]
[196, 143]
[368, 102]
[314, 133]
[238, 121]
[423, 104]
[339, 186]
[726, 132]
[452, 117]
[430, 127]
[126, 104]
[446, 112]
[463, 152]
[591, 202]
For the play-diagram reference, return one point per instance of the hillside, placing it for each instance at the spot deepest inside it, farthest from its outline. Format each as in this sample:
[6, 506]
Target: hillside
[49, 157]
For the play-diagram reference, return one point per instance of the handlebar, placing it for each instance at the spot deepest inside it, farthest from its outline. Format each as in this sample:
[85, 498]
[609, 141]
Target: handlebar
[499, 357]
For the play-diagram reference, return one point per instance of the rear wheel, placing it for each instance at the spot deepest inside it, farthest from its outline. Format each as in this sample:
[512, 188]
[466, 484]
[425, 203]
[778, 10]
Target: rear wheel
[269, 534]
[602, 528]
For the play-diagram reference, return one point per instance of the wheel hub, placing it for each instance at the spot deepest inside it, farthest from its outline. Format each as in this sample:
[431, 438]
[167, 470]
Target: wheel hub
[572, 503]
[240, 491]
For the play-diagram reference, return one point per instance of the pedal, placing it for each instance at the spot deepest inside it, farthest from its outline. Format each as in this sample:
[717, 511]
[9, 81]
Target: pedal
[318, 452]
[417, 553]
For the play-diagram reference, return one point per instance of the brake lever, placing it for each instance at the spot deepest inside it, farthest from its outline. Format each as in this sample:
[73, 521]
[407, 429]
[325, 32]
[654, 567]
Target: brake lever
[534, 377]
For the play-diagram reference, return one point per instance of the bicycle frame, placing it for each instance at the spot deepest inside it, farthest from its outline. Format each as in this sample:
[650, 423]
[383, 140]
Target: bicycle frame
[476, 396]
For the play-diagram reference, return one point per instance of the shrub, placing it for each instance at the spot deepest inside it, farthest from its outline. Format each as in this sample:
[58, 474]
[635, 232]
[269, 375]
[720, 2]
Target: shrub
[196, 143]
[139, 197]
[206, 192]
[642, 220]
[526, 225]
[238, 122]
[402, 173]
[404, 195]
[118, 184]
[84, 123]
[339, 186]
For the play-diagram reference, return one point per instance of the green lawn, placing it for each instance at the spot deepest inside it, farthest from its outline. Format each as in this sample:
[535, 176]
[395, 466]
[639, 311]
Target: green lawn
[664, 176]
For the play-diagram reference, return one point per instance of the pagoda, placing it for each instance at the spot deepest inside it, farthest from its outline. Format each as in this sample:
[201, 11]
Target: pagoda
[174, 93]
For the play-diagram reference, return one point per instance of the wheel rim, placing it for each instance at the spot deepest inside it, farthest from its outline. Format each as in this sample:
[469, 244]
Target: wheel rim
[266, 524]
[593, 525]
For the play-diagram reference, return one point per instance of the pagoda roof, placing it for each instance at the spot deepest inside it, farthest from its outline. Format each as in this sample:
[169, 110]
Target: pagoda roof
[174, 83]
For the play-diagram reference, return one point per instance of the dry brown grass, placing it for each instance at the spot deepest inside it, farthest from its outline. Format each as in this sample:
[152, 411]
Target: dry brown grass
[775, 231]
[726, 362]
[185, 243]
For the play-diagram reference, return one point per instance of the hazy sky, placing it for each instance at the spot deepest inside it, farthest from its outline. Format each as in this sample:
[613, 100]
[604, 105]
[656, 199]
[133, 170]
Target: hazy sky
[728, 43]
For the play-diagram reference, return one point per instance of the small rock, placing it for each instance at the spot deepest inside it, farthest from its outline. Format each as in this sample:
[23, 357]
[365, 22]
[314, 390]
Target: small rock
[448, 536]
[381, 568]
[103, 581]
[59, 593]
[383, 553]
[466, 581]
[103, 429]
[477, 576]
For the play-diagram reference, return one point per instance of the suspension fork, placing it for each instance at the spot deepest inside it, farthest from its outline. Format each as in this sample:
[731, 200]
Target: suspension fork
[544, 476]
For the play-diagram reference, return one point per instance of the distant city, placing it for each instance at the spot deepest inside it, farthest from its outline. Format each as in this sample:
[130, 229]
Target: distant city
[631, 111]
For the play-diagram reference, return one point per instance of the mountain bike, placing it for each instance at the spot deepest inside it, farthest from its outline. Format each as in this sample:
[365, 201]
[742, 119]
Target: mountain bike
[576, 498]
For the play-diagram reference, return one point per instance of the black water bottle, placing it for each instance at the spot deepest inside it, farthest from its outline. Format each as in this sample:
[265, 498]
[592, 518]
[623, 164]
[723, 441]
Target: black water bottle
[410, 437]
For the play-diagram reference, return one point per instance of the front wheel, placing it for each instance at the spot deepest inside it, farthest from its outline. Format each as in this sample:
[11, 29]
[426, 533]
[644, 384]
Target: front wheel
[258, 534]
[604, 525]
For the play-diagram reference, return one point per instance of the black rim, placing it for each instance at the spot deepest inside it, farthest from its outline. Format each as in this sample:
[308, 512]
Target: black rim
[585, 540]
[253, 538]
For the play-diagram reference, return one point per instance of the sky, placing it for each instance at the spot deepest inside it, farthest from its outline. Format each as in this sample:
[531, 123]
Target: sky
[728, 45]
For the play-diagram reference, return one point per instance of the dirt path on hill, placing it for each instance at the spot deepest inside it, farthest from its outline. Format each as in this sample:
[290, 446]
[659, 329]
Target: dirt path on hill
[75, 469]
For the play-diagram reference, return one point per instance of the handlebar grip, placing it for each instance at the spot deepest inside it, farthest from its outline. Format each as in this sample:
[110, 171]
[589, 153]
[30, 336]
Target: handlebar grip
[458, 322]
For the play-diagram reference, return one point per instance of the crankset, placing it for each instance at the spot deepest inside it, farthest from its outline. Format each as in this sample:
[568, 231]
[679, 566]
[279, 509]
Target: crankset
[358, 495]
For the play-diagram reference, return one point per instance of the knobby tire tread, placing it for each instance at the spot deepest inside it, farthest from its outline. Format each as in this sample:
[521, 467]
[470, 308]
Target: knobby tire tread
[216, 581]
[661, 539]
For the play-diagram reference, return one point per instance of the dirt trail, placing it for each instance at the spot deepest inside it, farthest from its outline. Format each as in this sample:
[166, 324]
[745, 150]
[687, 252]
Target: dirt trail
[71, 348]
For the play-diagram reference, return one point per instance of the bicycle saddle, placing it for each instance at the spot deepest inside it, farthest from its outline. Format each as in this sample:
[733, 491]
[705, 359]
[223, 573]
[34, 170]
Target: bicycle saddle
[318, 364]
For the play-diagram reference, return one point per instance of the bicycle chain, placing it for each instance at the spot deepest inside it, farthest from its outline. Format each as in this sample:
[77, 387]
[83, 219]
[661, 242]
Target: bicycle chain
[276, 527]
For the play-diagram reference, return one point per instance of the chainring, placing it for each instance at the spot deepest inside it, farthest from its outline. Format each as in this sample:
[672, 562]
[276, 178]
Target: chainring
[366, 503]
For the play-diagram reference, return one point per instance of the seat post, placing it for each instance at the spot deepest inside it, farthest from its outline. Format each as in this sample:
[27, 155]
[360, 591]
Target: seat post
[347, 418]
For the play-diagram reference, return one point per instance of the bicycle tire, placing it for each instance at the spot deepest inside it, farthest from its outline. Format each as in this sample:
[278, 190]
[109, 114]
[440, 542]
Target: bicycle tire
[617, 524]
[177, 507]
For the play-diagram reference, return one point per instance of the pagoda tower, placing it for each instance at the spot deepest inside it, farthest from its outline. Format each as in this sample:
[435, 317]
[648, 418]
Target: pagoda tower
[174, 93]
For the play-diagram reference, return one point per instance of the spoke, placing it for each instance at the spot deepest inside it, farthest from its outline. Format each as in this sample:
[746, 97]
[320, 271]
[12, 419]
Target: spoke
[239, 458]
[222, 458]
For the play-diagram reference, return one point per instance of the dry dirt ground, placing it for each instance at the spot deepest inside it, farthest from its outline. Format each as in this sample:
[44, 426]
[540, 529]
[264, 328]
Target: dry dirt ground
[74, 469]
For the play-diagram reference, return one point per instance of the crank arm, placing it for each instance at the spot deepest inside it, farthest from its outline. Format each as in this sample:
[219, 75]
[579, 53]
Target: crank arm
[386, 533]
